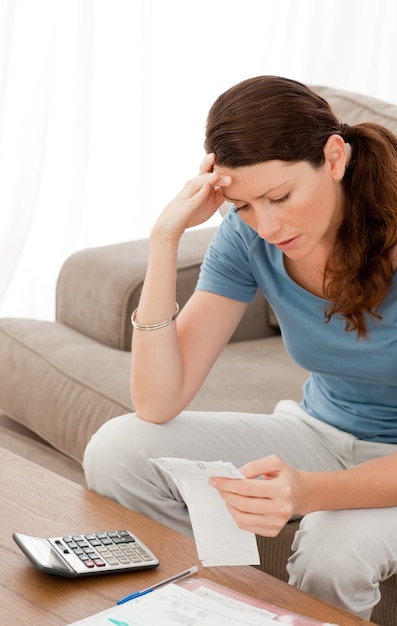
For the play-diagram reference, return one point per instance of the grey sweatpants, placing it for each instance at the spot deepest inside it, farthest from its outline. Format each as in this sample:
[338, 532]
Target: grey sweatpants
[339, 556]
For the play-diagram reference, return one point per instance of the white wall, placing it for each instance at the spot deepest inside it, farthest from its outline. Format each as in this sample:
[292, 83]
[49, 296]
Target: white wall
[103, 105]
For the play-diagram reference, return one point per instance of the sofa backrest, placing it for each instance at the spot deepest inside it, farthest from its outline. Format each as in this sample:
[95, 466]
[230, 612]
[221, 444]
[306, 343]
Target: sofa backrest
[353, 108]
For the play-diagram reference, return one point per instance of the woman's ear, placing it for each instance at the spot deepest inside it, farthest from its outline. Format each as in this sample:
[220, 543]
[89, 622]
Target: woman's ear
[335, 156]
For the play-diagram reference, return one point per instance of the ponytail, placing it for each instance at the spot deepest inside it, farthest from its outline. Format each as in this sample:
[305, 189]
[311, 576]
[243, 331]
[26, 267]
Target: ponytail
[359, 272]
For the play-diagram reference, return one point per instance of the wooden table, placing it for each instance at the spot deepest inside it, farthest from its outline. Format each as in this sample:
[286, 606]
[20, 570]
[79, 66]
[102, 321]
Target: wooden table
[38, 502]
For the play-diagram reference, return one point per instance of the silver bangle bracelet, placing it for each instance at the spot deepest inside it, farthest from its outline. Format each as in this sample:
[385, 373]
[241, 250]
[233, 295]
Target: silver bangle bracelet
[154, 326]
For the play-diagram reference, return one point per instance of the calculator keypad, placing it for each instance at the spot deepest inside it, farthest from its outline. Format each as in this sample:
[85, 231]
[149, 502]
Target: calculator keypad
[112, 549]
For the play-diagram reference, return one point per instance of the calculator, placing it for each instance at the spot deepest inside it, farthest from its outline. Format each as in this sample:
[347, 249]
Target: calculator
[87, 554]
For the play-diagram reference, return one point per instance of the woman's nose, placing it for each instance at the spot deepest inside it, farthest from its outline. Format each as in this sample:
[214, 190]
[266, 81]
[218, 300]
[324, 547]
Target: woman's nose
[268, 224]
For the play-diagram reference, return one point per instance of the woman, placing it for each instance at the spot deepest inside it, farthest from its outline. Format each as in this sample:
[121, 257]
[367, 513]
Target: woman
[314, 226]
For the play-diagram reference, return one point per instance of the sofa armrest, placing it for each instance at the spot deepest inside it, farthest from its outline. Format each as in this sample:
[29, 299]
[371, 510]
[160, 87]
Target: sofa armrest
[98, 288]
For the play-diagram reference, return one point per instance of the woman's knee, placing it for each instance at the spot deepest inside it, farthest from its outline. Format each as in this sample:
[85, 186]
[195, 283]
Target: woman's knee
[121, 445]
[117, 464]
[330, 561]
[119, 452]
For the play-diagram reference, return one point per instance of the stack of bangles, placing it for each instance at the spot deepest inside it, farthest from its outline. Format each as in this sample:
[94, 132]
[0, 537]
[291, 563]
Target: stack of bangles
[154, 326]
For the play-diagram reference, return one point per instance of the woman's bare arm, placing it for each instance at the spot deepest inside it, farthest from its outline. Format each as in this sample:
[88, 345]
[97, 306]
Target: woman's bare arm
[170, 364]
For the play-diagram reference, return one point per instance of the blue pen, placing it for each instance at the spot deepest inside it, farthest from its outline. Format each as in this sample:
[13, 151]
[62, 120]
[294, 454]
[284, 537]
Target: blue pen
[138, 594]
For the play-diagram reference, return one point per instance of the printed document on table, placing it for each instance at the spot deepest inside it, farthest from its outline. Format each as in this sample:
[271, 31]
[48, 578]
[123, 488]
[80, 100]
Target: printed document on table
[219, 540]
[204, 605]
[172, 605]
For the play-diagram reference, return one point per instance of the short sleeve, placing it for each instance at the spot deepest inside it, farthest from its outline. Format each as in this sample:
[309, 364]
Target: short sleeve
[226, 266]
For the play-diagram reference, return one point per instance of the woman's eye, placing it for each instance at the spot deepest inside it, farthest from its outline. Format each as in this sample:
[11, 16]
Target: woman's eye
[282, 199]
[242, 208]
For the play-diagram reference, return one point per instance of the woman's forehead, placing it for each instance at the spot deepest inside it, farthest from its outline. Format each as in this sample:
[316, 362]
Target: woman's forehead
[256, 181]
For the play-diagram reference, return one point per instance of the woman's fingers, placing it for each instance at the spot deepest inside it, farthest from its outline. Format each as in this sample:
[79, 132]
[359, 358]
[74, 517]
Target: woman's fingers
[265, 525]
[214, 180]
[268, 466]
[263, 506]
[198, 200]
[207, 163]
[263, 515]
[195, 184]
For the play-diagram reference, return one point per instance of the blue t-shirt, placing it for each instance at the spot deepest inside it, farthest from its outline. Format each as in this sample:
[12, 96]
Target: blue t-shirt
[353, 382]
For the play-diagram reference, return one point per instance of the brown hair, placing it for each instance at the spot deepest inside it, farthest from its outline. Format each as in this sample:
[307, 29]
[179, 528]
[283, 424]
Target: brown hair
[271, 118]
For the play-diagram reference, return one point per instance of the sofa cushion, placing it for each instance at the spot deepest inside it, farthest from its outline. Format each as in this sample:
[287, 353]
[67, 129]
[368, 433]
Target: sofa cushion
[59, 383]
[69, 385]
[251, 376]
[22, 441]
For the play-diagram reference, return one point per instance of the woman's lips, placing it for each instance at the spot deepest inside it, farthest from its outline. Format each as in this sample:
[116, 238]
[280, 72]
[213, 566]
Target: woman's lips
[287, 244]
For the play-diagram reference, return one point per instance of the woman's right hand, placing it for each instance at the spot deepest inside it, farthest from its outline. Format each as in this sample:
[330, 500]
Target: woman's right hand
[195, 204]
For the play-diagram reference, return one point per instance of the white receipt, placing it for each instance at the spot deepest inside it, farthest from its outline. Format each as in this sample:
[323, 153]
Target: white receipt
[219, 541]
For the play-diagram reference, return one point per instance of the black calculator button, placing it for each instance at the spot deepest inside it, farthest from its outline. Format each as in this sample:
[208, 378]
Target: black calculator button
[124, 539]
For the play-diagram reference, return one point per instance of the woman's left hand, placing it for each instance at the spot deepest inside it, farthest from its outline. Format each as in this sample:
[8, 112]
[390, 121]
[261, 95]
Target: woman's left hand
[262, 506]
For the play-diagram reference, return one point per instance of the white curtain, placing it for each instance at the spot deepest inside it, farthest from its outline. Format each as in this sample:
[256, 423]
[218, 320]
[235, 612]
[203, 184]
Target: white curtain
[103, 105]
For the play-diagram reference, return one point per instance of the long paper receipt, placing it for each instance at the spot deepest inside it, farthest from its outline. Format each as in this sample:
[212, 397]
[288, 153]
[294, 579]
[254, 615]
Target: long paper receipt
[219, 541]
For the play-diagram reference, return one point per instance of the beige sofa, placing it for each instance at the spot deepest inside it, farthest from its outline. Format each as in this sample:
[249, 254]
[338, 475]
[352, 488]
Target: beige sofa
[61, 380]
